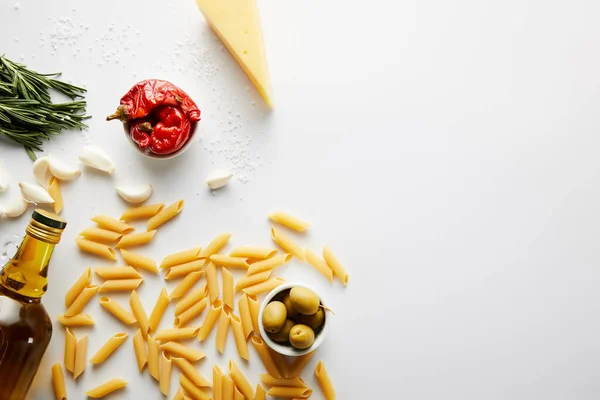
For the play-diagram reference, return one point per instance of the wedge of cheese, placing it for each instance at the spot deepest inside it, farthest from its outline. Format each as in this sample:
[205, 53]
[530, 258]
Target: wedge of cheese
[237, 24]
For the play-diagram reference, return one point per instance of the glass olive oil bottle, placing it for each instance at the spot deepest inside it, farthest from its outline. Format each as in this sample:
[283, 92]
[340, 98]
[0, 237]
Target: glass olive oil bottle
[25, 328]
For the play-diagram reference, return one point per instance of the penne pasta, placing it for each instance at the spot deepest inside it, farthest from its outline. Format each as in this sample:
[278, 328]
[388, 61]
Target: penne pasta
[186, 284]
[179, 395]
[117, 272]
[70, 348]
[259, 253]
[184, 269]
[153, 358]
[108, 348]
[237, 395]
[245, 316]
[120, 285]
[76, 320]
[222, 329]
[269, 264]
[194, 297]
[181, 257]
[292, 382]
[227, 388]
[54, 192]
[80, 356]
[165, 215]
[261, 393]
[179, 350]
[290, 221]
[212, 281]
[286, 243]
[190, 372]
[215, 245]
[96, 248]
[319, 264]
[251, 280]
[139, 346]
[240, 338]
[228, 298]
[299, 363]
[115, 309]
[167, 335]
[136, 239]
[138, 312]
[335, 265]
[191, 313]
[81, 283]
[217, 376]
[265, 356]
[211, 318]
[106, 222]
[58, 382]
[240, 380]
[254, 310]
[164, 381]
[263, 287]
[280, 363]
[228, 261]
[324, 381]
[193, 390]
[289, 392]
[159, 309]
[138, 261]
[100, 235]
[142, 212]
[106, 388]
[84, 297]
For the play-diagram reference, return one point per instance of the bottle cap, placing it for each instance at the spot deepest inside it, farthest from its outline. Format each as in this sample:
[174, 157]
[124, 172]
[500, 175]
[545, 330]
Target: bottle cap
[49, 219]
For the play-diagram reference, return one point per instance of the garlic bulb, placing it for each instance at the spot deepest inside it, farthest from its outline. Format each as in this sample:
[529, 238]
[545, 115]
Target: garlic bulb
[95, 157]
[15, 207]
[62, 170]
[41, 171]
[35, 194]
[134, 194]
[3, 179]
[218, 178]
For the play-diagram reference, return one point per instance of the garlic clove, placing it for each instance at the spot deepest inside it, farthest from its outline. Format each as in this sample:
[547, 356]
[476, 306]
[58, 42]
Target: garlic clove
[218, 178]
[15, 207]
[134, 194]
[94, 157]
[62, 170]
[41, 171]
[35, 194]
[3, 179]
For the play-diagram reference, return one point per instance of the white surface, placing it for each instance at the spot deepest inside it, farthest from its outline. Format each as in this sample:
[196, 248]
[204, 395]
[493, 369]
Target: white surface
[446, 151]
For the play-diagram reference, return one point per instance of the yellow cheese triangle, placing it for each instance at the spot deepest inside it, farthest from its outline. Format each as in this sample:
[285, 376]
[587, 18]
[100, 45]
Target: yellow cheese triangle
[237, 24]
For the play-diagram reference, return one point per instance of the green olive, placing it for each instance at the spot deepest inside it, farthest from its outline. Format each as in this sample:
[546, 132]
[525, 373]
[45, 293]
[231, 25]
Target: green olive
[274, 316]
[305, 301]
[315, 320]
[302, 336]
[291, 312]
[283, 335]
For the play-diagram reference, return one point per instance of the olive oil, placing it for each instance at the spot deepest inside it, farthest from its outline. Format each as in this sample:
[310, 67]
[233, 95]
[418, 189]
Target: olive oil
[25, 328]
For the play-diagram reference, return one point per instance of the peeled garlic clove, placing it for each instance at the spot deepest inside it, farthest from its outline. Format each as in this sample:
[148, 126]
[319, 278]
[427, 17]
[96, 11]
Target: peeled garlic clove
[134, 194]
[3, 179]
[15, 207]
[41, 171]
[95, 157]
[35, 194]
[61, 170]
[218, 178]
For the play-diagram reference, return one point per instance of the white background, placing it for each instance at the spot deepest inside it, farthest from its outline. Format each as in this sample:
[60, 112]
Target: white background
[446, 151]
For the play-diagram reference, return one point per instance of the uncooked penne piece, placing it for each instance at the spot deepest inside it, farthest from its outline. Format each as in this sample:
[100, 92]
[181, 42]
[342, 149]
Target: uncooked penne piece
[115, 309]
[191, 372]
[290, 221]
[217, 389]
[228, 261]
[324, 381]
[166, 214]
[179, 395]
[58, 382]
[212, 281]
[81, 283]
[181, 257]
[100, 235]
[138, 261]
[265, 356]
[335, 265]
[70, 348]
[240, 338]
[120, 285]
[142, 212]
[227, 388]
[237, 395]
[289, 392]
[138, 312]
[165, 373]
[192, 298]
[228, 297]
[179, 350]
[261, 393]
[254, 310]
[184, 269]
[280, 362]
[106, 222]
[263, 287]
[153, 358]
[108, 348]
[54, 192]
[269, 264]
[96, 248]
[80, 356]
[240, 380]
[299, 363]
[106, 388]
[136, 239]
[211, 318]
[193, 390]
[215, 245]
[259, 253]
[139, 346]
[185, 285]
[319, 264]
[286, 243]
[191, 313]
[159, 309]
[222, 329]
[167, 335]
[251, 280]
[76, 320]
[117, 272]
[290, 382]
[245, 316]
[84, 297]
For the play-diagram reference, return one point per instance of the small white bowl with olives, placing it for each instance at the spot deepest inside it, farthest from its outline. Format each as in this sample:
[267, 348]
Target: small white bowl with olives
[293, 319]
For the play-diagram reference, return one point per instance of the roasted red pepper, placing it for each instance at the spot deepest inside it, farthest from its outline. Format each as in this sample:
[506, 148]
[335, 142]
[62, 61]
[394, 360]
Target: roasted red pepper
[160, 115]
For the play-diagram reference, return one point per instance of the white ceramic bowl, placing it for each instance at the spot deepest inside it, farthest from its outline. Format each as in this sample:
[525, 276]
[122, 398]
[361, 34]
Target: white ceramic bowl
[288, 349]
[154, 156]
